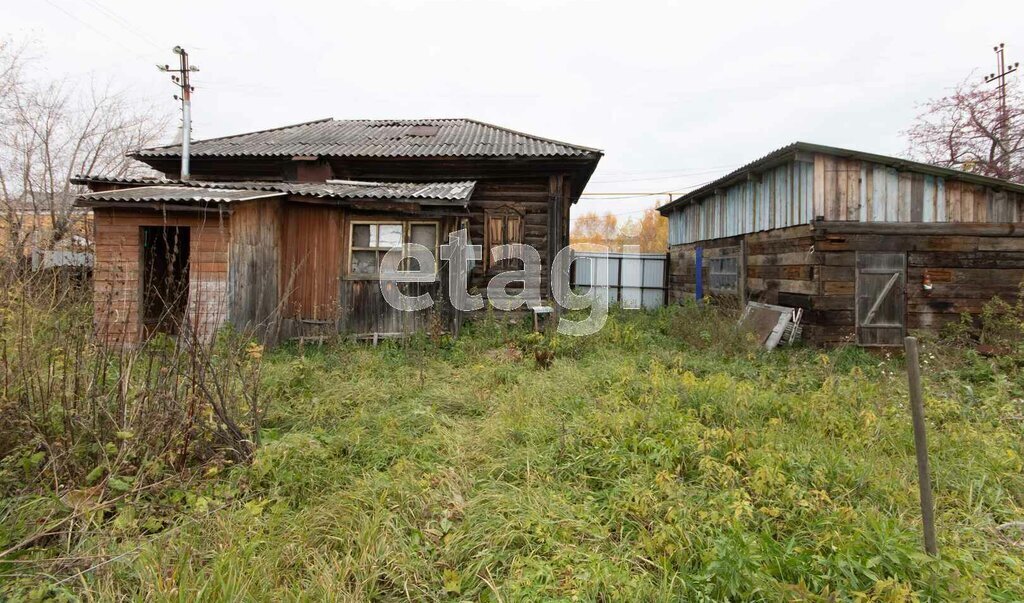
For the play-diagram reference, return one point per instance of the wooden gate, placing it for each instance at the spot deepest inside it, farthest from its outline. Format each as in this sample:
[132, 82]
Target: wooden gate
[881, 298]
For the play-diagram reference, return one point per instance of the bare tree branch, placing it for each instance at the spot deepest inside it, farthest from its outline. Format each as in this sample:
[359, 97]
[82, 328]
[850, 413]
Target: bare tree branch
[966, 130]
[52, 131]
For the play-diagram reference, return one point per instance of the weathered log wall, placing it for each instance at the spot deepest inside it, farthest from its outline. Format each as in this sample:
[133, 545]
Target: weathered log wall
[814, 267]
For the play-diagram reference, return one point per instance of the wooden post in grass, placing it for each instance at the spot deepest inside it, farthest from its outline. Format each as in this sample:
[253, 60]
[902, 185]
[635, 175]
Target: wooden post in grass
[924, 481]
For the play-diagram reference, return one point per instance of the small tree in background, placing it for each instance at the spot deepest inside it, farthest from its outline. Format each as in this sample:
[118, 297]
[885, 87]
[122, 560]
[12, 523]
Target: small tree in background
[594, 229]
[51, 131]
[650, 231]
[968, 130]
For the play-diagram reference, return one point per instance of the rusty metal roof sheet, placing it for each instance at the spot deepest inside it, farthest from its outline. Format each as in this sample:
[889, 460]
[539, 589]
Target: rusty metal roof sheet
[428, 193]
[344, 189]
[380, 138]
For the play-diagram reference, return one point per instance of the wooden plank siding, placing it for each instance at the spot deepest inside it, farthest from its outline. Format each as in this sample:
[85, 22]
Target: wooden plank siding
[967, 264]
[777, 263]
[805, 219]
[814, 267]
[311, 261]
[117, 274]
[282, 269]
[321, 297]
[838, 189]
[255, 267]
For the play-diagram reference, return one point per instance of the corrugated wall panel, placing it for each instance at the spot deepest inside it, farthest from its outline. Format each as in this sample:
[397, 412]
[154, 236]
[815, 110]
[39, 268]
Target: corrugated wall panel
[927, 201]
[786, 195]
[781, 197]
[940, 200]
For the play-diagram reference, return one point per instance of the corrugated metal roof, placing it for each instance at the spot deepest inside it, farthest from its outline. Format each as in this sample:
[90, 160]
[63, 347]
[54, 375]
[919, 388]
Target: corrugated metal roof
[428, 192]
[783, 153]
[174, 194]
[341, 189]
[380, 138]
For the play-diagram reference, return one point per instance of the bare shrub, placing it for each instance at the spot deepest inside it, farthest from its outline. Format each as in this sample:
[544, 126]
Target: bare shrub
[79, 414]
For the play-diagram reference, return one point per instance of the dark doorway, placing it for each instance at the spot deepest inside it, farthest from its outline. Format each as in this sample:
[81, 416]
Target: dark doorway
[165, 255]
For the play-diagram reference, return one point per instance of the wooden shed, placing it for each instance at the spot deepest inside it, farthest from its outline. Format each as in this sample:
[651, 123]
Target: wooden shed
[867, 245]
[283, 230]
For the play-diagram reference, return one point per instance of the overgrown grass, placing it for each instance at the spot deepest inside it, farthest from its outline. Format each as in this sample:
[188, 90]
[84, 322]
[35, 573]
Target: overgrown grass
[664, 458]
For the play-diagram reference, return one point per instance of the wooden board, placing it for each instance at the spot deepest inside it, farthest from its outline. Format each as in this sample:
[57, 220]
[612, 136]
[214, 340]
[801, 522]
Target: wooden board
[255, 267]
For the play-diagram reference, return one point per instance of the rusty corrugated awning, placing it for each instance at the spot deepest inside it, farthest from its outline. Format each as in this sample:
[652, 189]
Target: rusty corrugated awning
[173, 194]
[140, 190]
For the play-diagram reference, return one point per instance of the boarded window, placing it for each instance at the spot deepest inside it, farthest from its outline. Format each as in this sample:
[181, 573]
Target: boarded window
[502, 227]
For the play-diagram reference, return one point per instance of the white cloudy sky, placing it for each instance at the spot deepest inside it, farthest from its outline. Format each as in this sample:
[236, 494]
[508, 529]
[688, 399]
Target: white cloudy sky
[676, 93]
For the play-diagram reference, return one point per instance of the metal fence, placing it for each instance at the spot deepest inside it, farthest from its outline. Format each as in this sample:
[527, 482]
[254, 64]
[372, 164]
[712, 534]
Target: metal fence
[633, 280]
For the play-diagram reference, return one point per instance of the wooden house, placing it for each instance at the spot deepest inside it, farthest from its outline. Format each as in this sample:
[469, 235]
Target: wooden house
[282, 230]
[868, 246]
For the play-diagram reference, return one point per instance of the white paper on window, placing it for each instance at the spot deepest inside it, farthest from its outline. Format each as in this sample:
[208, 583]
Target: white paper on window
[390, 235]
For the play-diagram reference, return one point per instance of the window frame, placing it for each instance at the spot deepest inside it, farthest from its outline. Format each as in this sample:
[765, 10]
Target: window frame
[503, 213]
[406, 226]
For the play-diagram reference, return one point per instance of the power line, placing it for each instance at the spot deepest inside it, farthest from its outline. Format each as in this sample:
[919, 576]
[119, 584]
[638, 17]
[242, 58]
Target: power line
[123, 23]
[103, 34]
[664, 171]
[607, 196]
[672, 177]
[626, 195]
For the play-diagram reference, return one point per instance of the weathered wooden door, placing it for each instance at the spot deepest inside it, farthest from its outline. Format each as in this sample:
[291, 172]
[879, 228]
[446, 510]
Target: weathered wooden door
[881, 298]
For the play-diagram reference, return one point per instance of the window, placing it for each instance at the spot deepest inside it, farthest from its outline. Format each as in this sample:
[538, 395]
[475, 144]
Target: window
[502, 227]
[371, 240]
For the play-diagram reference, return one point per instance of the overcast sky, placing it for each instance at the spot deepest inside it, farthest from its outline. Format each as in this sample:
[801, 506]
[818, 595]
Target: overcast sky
[675, 93]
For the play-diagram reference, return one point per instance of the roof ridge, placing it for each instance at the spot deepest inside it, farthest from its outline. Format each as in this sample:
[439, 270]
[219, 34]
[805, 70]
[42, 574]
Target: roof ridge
[357, 138]
[366, 120]
[264, 131]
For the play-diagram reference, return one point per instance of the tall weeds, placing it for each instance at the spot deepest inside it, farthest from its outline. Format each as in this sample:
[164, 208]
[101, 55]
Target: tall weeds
[88, 424]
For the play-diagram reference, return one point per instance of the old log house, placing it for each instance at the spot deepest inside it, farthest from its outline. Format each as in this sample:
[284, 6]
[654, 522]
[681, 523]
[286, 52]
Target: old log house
[282, 230]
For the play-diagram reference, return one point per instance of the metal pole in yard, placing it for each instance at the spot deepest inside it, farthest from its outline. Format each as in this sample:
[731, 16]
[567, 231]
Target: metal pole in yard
[924, 481]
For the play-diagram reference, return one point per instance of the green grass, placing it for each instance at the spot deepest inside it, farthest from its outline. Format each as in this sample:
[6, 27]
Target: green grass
[663, 459]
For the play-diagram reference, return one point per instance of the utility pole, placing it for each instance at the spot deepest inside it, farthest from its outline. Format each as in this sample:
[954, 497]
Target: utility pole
[181, 79]
[1004, 117]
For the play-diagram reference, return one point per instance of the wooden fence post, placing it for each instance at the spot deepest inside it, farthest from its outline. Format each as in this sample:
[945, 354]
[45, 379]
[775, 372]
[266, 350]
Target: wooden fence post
[924, 481]
[699, 259]
[741, 277]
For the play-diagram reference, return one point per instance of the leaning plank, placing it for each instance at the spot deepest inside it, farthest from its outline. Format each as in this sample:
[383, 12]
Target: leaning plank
[881, 296]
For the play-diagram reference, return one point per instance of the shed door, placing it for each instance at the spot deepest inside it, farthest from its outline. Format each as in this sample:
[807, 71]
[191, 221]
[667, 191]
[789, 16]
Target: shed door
[881, 298]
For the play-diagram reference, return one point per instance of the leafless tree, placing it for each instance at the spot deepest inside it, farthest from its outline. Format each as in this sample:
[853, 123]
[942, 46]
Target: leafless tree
[51, 131]
[969, 130]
